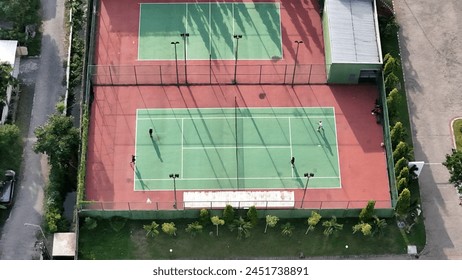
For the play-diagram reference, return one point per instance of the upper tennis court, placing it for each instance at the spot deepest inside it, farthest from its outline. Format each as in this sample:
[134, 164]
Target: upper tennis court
[209, 30]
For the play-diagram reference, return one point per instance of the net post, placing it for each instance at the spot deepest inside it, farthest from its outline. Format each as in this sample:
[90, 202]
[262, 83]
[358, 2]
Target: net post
[160, 73]
[210, 68]
[285, 74]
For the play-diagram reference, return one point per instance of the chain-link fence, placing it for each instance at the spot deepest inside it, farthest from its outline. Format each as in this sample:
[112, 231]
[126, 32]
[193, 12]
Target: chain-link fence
[171, 74]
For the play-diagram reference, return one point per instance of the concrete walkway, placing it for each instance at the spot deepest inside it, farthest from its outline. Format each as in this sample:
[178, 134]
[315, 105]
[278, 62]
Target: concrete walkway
[47, 72]
[431, 37]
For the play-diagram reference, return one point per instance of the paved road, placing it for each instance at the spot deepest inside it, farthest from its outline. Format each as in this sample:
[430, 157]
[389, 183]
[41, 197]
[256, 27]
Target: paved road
[17, 241]
[431, 36]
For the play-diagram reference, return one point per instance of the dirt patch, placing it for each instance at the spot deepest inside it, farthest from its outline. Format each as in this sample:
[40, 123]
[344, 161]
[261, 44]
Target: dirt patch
[141, 246]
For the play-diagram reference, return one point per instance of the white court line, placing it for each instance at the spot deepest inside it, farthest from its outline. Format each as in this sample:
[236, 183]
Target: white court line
[182, 146]
[231, 178]
[336, 144]
[231, 117]
[290, 144]
[234, 147]
[210, 29]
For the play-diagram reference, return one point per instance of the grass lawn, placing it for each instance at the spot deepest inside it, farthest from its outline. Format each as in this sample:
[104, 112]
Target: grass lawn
[130, 242]
[457, 128]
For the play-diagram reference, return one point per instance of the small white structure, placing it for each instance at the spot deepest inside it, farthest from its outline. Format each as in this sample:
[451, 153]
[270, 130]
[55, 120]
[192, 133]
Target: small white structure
[9, 53]
[64, 246]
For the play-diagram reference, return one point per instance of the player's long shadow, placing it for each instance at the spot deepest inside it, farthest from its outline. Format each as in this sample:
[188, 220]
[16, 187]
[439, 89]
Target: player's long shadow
[138, 176]
[326, 142]
[156, 147]
[299, 180]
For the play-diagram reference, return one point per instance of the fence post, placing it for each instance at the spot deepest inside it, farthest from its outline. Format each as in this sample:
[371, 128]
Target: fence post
[210, 68]
[110, 76]
[136, 77]
[261, 67]
[309, 73]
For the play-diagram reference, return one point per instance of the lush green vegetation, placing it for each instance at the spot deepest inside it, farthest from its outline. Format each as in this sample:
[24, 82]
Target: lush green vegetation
[10, 148]
[59, 140]
[132, 241]
[22, 14]
[414, 231]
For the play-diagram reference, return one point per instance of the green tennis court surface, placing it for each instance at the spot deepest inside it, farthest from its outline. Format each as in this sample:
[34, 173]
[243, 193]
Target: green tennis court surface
[235, 148]
[211, 27]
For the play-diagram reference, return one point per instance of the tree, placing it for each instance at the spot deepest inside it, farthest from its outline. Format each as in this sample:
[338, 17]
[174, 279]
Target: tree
[312, 221]
[331, 226]
[400, 164]
[194, 228]
[169, 228]
[404, 174]
[228, 214]
[397, 134]
[403, 203]
[380, 224]
[204, 217]
[393, 99]
[216, 221]
[242, 227]
[402, 184]
[365, 228]
[58, 139]
[10, 148]
[454, 165]
[367, 212]
[391, 64]
[287, 229]
[402, 150]
[151, 229]
[271, 221]
[252, 215]
[391, 81]
[6, 79]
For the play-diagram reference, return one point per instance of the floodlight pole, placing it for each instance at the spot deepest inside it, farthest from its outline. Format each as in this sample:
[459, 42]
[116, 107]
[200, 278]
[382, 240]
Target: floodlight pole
[174, 176]
[237, 37]
[295, 63]
[176, 62]
[185, 35]
[308, 176]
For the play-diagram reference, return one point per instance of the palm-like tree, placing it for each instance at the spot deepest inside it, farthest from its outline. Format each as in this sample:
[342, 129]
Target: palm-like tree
[331, 226]
[242, 227]
[151, 230]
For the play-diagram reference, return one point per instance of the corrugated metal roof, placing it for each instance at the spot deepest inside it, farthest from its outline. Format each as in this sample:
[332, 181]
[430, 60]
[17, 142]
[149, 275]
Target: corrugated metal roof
[353, 32]
[8, 51]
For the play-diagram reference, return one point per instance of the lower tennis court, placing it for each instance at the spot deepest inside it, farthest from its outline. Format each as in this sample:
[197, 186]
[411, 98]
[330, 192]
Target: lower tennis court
[236, 148]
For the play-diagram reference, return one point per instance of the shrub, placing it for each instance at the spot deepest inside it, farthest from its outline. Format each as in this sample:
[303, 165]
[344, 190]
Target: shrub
[204, 217]
[367, 212]
[90, 223]
[228, 214]
[252, 215]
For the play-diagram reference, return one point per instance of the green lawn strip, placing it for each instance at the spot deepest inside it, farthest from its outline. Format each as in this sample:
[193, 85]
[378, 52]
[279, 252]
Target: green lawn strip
[100, 243]
[457, 128]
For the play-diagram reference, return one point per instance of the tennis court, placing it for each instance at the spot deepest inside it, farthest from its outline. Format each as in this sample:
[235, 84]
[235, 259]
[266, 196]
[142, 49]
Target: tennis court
[211, 28]
[236, 148]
